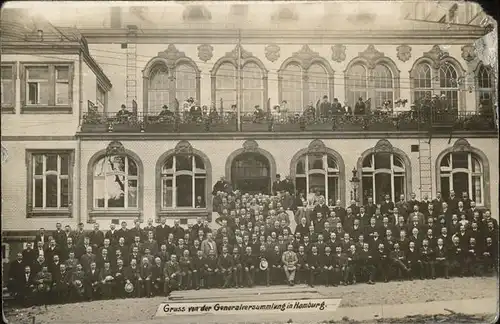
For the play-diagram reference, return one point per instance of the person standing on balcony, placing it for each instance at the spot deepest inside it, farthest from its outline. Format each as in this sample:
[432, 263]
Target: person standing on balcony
[325, 107]
[360, 107]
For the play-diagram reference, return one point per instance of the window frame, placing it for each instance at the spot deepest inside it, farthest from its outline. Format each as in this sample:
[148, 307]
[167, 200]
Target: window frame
[416, 79]
[32, 211]
[300, 89]
[173, 177]
[183, 147]
[52, 107]
[328, 172]
[479, 90]
[9, 108]
[372, 170]
[444, 90]
[249, 108]
[99, 89]
[217, 89]
[127, 178]
[449, 171]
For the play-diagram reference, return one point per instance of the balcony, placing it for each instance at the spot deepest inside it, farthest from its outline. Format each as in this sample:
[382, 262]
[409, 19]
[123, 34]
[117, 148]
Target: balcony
[227, 122]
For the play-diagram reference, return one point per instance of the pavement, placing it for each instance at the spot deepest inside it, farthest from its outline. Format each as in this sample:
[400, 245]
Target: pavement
[360, 302]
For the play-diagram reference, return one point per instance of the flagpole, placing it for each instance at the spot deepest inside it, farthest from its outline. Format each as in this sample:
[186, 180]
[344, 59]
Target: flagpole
[238, 71]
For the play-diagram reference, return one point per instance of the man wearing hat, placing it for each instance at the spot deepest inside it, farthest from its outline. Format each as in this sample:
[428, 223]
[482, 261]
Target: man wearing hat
[290, 261]
[325, 107]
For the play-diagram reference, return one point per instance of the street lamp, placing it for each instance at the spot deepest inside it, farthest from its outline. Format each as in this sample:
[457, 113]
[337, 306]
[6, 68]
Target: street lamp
[355, 185]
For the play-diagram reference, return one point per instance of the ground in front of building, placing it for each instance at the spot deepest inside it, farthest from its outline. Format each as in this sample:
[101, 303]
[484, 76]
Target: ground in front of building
[142, 310]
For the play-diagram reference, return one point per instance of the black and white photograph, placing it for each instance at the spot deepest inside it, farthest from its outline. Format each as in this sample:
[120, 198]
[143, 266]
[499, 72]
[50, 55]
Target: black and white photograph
[249, 162]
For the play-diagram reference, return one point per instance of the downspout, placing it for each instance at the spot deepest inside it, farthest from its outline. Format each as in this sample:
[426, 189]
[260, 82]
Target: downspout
[78, 141]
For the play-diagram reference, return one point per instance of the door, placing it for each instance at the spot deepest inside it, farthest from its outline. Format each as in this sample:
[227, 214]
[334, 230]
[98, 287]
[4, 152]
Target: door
[250, 173]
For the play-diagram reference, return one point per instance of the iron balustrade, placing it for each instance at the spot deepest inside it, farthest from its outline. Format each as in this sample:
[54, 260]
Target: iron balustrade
[226, 121]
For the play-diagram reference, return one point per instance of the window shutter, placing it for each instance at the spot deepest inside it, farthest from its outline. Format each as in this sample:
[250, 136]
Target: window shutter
[22, 78]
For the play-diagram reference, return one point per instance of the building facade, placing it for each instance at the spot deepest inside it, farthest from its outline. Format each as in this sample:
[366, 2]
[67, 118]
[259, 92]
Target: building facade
[71, 159]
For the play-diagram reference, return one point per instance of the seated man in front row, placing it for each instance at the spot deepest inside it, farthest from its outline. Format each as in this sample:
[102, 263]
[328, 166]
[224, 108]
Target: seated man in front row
[290, 261]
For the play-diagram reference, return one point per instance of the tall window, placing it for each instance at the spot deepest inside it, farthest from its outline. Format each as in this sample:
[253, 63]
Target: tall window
[383, 174]
[318, 83]
[462, 172]
[485, 86]
[318, 172]
[7, 84]
[101, 98]
[116, 183]
[357, 86]
[37, 84]
[422, 82]
[50, 176]
[159, 88]
[253, 87]
[292, 88]
[448, 84]
[185, 82]
[183, 179]
[384, 89]
[225, 87]
[62, 85]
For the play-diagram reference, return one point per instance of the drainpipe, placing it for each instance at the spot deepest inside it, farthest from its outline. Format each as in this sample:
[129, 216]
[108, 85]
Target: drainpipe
[78, 142]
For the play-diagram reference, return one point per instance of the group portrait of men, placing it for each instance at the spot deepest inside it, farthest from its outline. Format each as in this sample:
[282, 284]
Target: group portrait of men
[331, 245]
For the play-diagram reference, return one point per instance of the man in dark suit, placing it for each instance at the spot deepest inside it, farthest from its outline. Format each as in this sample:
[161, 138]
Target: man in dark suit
[322, 208]
[277, 184]
[16, 271]
[360, 107]
[222, 185]
[162, 231]
[438, 203]
[96, 238]
[112, 235]
[42, 237]
[59, 235]
[125, 233]
[29, 255]
[325, 108]
[137, 231]
[387, 206]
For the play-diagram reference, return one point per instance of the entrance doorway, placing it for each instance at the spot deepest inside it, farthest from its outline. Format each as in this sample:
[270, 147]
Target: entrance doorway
[250, 173]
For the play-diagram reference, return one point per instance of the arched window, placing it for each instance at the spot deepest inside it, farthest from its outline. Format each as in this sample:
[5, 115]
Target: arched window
[422, 82]
[159, 88]
[183, 182]
[185, 82]
[292, 88]
[225, 87]
[253, 87]
[485, 86]
[116, 182]
[358, 85]
[462, 172]
[448, 84]
[318, 83]
[318, 172]
[383, 174]
[384, 89]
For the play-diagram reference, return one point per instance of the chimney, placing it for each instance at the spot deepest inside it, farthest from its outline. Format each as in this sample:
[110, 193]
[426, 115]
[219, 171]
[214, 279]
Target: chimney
[116, 17]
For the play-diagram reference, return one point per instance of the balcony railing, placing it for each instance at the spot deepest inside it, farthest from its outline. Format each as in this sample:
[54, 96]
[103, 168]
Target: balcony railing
[170, 122]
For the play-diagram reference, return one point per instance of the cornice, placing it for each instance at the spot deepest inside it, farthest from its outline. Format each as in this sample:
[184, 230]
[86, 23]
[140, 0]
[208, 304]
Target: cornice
[286, 36]
[40, 48]
[275, 135]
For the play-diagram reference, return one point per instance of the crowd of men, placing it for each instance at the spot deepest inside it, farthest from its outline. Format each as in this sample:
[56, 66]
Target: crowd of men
[254, 245]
